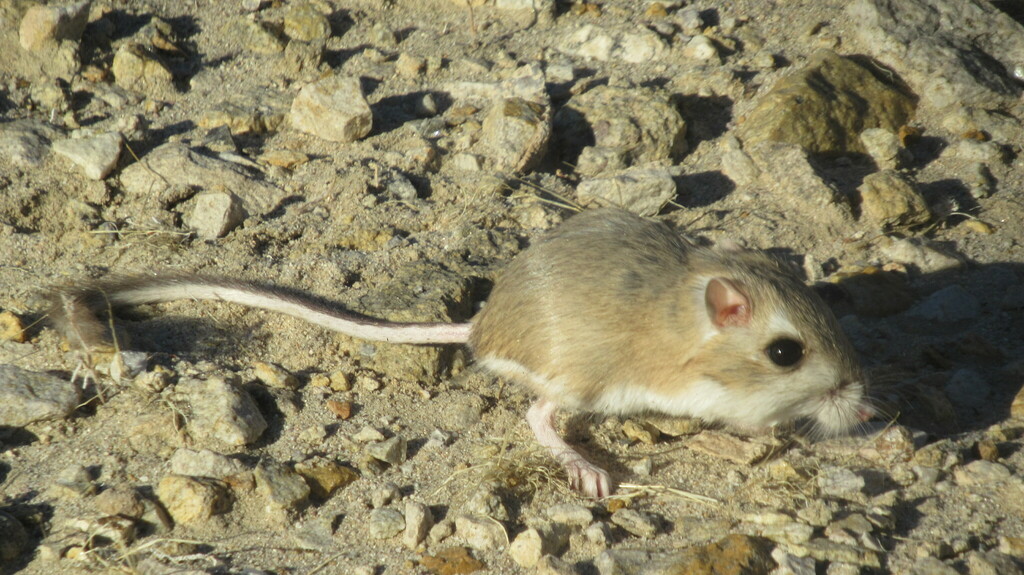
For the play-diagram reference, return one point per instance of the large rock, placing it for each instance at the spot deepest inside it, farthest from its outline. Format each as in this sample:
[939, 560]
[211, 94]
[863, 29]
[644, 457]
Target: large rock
[29, 396]
[949, 51]
[173, 169]
[45, 26]
[137, 67]
[515, 134]
[641, 190]
[633, 46]
[26, 143]
[334, 109]
[891, 202]
[825, 106]
[611, 128]
[96, 155]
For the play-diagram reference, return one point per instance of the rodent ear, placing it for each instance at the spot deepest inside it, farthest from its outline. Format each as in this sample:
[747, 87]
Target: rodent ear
[727, 305]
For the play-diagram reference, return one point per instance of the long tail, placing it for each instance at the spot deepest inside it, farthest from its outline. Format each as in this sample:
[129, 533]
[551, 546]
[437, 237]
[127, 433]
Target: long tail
[74, 311]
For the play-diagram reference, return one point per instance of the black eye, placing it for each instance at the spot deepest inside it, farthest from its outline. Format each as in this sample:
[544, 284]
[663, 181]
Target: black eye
[785, 352]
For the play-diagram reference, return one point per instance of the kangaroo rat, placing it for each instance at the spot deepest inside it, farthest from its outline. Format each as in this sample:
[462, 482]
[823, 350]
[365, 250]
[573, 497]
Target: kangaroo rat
[609, 313]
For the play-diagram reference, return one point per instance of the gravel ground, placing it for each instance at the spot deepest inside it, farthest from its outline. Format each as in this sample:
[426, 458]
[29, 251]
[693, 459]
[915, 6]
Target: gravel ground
[391, 158]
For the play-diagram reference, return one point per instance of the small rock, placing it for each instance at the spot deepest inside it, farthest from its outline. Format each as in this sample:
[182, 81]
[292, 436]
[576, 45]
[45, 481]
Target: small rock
[551, 565]
[410, 66]
[515, 134]
[534, 543]
[273, 375]
[44, 26]
[599, 533]
[467, 162]
[246, 113]
[204, 463]
[487, 501]
[452, 561]
[302, 61]
[894, 444]
[732, 554]
[968, 388]
[385, 494]
[438, 439]
[333, 109]
[932, 566]
[324, 477]
[643, 191]
[303, 22]
[1013, 546]
[636, 522]
[642, 432]
[368, 435]
[280, 485]
[385, 523]
[816, 513]
[700, 47]
[192, 500]
[340, 381]
[97, 155]
[570, 514]
[633, 126]
[418, 521]
[825, 550]
[988, 450]
[26, 142]
[974, 151]
[170, 168]
[11, 328]
[919, 254]
[891, 202]
[137, 68]
[481, 533]
[257, 37]
[787, 173]
[108, 530]
[728, 447]
[675, 426]
[28, 396]
[314, 535]
[981, 472]
[287, 159]
[604, 44]
[840, 568]
[991, 563]
[441, 531]
[949, 305]
[791, 564]
[74, 482]
[690, 20]
[883, 146]
[13, 538]
[215, 214]
[391, 451]
[342, 409]
[926, 476]
[791, 532]
[840, 482]
[120, 500]
[221, 412]
[855, 522]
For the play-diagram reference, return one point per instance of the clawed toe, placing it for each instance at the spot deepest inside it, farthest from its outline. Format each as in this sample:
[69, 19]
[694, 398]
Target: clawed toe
[588, 479]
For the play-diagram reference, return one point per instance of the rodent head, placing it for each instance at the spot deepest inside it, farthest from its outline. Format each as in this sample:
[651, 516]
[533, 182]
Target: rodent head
[777, 351]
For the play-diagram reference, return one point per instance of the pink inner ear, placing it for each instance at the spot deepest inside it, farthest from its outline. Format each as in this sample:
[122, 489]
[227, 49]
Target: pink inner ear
[727, 306]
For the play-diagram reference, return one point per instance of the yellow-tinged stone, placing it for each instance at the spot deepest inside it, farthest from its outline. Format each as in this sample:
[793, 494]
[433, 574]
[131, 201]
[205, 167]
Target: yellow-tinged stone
[11, 328]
